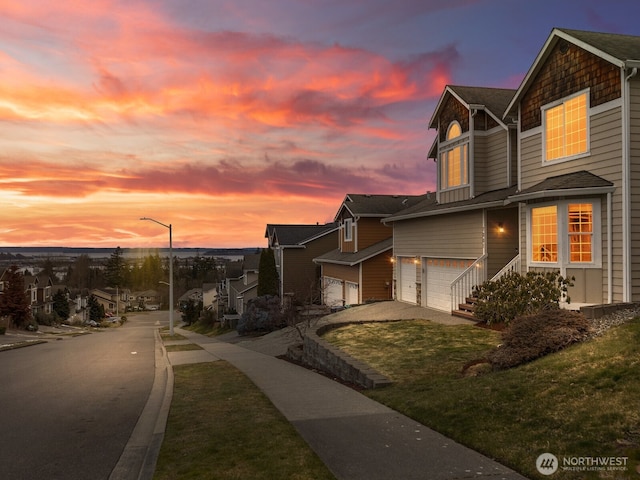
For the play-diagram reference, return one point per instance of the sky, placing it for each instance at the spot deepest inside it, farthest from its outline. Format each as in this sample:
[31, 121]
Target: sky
[221, 116]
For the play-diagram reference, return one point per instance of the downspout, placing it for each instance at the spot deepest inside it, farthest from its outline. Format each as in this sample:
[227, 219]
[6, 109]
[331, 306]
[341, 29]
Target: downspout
[609, 249]
[626, 186]
[438, 164]
[472, 148]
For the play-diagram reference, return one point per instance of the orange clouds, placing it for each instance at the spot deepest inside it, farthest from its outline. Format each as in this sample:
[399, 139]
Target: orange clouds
[113, 110]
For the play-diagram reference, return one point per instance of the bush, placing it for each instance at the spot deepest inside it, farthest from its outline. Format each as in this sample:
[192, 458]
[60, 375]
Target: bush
[263, 315]
[534, 336]
[514, 295]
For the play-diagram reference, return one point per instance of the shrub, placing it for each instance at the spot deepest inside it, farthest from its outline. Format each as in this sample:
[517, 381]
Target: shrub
[514, 295]
[263, 315]
[533, 336]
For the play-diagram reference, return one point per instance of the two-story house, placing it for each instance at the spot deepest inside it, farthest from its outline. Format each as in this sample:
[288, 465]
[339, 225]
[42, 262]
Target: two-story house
[39, 290]
[243, 287]
[543, 177]
[360, 269]
[294, 248]
[466, 225]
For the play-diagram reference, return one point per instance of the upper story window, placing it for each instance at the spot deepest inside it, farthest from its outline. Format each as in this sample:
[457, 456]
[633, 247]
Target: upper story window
[348, 229]
[454, 159]
[566, 128]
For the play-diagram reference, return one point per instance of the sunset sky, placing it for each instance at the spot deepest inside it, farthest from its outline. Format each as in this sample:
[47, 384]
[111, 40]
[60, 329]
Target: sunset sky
[220, 116]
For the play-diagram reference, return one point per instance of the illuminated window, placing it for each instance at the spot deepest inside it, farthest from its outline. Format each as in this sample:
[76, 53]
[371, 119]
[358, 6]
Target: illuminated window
[544, 234]
[580, 232]
[566, 128]
[454, 159]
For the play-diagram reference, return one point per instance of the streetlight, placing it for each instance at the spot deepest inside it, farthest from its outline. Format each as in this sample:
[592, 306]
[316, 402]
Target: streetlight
[170, 271]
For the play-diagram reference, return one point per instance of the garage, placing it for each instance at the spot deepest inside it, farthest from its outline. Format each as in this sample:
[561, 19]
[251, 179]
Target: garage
[407, 276]
[333, 292]
[351, 293]
[440, 273]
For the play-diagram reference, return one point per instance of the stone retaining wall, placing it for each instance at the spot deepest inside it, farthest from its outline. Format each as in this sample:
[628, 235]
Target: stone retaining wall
[320, 354]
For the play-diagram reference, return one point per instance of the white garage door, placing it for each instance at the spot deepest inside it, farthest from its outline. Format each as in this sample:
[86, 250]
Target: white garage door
[440, 273]
[333, 292]
[351, 293]
[407, 279]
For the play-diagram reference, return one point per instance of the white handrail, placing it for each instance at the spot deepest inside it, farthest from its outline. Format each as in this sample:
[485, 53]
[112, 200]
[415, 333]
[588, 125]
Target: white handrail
[514, 265]
[462, 286]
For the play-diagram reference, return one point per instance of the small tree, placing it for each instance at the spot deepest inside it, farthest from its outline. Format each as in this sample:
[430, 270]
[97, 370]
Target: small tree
[14, 303]
[61, 305]
[191, 311]
[96, 311]
[268, 274]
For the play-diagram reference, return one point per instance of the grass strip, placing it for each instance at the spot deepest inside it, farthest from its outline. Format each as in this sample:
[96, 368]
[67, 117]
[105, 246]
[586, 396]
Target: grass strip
[183, 348]
[221, 426]
[580, 402]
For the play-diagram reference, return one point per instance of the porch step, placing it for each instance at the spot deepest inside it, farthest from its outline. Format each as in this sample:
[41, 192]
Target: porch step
[465, 310]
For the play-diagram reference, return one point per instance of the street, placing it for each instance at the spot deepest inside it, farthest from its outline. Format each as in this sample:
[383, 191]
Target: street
[68, 407]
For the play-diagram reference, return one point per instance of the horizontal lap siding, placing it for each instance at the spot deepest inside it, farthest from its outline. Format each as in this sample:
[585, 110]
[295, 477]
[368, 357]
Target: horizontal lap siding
[491, 162]
[635, 187]
[605, 160]
[377, 275]
[371, 231]
[447, 236]
[342, 272]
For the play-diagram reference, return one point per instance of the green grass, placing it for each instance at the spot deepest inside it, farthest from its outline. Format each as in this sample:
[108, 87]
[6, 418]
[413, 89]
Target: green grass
[583, 401]
[183, 348]
[222, 427]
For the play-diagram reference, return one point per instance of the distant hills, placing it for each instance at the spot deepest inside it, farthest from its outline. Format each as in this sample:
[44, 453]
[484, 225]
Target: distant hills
[8, 253]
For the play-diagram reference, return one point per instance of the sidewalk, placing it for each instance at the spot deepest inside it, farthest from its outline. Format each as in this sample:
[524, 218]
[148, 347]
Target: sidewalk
[354, 436]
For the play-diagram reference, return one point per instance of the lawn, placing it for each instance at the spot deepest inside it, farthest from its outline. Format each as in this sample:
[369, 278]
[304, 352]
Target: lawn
[581, 402]
[222, 427]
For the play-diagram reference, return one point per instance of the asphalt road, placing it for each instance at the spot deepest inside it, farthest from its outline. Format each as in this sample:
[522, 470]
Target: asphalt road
[68, 407]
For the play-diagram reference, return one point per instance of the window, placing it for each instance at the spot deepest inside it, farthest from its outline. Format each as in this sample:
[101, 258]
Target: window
[565, 127]
[348, 230]
[454, 159]
[566, 233]
[580, 232]
[544, 234]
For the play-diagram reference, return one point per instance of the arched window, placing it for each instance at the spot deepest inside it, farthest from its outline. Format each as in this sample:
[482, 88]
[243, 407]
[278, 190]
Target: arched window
[454, 159]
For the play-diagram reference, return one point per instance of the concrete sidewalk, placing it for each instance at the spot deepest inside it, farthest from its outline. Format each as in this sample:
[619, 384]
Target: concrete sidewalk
[354, 436]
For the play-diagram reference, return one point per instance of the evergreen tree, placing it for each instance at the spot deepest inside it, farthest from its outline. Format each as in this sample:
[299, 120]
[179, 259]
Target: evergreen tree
[14, 303]
[115, 269]
[268, 281]
[96, 311]
[61, 305]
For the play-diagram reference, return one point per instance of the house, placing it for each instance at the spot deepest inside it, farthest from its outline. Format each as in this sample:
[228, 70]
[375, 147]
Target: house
[112, 299]
[294, 248]
[467, 225]
[243, 288]
[540, 178]
[360, 269]
[39, 290]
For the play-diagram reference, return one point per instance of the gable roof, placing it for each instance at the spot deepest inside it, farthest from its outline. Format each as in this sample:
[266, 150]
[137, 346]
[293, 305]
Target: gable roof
[346, 258]
[493, 100]
[367, 205]
[620, 50]
[576, 183]
[297, 235]
[429, 206]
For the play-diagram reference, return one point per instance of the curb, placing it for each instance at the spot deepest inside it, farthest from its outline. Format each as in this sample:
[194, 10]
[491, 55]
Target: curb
[139, 457]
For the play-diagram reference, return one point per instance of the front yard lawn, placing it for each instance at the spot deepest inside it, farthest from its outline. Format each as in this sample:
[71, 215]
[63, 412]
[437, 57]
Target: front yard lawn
[581, 402]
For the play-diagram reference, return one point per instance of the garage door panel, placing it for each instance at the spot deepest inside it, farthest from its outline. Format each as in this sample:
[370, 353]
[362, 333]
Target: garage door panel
[440, 273]
[333, 292]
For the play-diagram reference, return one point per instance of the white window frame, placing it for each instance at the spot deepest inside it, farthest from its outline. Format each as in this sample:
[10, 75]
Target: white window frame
[448, 146]
[348, 230]
[549, 106]
[564, 255]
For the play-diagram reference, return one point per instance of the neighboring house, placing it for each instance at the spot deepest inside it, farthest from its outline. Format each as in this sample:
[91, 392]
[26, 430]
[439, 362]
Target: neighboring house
[466, 225]
[360, 269]
[210, 296]
[547, 174]
[245, 287]
[146, 298]
[294, 248]
[39, 290]
[194, 294]
[112, 300]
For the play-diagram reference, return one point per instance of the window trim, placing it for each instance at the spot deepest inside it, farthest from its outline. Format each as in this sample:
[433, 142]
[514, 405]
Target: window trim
[564, 254]
[348, 230]
[562, 101]
[447, 146]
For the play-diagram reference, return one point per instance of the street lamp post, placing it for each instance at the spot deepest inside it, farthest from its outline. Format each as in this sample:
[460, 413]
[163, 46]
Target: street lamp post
[170, 271]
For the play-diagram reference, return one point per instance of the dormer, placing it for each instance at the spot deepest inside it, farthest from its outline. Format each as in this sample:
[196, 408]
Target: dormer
[474, 147]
